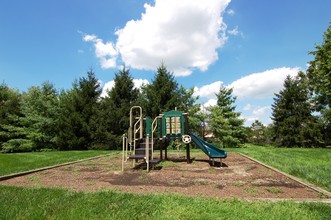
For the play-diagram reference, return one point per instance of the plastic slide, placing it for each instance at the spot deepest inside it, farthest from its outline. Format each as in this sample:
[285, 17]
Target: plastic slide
[207, 148]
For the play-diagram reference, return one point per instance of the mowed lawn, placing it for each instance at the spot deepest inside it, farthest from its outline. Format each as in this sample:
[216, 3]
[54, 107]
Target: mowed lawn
[18, 162]
[33, 203]
[310, 164]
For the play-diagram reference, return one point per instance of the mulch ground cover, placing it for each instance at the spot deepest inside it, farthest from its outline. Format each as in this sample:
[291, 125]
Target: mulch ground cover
[237, 177]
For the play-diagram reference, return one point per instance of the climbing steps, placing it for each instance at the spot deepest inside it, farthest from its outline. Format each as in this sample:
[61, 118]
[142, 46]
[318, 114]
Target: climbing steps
[140, 152]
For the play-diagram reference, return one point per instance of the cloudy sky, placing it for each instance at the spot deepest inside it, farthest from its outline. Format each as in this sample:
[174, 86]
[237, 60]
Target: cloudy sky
[250, 46]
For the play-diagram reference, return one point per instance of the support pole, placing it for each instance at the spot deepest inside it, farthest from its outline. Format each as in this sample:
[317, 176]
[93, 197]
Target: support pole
[123, 152]
[188, 156]
[186, 131]
[166, 151]
[161, 150]
[147, 152]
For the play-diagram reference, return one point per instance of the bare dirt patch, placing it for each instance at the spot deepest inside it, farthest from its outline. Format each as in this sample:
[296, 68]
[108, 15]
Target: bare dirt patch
[238, 177]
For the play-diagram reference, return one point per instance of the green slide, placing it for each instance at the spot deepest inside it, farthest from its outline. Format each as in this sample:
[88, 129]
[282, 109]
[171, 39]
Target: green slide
[207, 148]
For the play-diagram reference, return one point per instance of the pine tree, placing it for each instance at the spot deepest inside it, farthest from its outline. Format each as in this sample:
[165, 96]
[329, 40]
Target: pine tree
[225, 122]
[115, 108]
[78, 107]
[187, 103]
[294, 125]
[257, 133]
[162, 94]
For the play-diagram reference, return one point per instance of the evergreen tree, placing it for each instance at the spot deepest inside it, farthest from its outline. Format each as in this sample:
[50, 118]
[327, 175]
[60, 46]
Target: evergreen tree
[257, 133]
[319, 74]
[115, 108]
[187, 103]
[78, 107]
[294, 125]
[225, 122]
[162, 94]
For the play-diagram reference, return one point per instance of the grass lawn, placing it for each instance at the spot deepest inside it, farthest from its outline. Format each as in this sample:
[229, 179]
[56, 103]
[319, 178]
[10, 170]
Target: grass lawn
[17, 162]
[33, 203]
[310, 164]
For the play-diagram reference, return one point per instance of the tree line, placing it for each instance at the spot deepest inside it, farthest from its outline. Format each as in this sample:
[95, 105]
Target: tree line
[80, 119]
[301, 110]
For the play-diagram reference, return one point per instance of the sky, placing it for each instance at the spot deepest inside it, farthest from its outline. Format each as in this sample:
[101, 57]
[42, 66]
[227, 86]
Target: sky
[250, 46]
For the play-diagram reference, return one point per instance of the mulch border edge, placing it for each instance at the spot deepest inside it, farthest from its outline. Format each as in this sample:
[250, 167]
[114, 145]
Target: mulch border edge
[6, 177]
[309, 185]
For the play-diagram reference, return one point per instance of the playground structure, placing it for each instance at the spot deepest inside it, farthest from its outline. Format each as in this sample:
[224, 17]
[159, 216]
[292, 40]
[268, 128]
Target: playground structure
[145, 136]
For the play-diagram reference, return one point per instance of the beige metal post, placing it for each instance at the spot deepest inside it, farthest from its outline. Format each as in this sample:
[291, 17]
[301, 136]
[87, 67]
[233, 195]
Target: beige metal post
[123, 152]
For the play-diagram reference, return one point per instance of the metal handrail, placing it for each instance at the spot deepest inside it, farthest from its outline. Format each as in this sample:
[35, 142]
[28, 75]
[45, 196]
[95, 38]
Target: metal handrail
[124, 151]
[134, 134]
[131, 135]
[129, 140]
[140, 119]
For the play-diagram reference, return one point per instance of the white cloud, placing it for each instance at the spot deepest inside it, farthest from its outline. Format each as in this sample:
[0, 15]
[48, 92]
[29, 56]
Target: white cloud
[210, 102]
[234, 31]
[249, 120]
[230, 12]
[262, 85]
[138, 83]
[247, 107]
[88, 37]
[257, 113]
[106, 52]
[208, 91]
[261, 110]
[184, 35]
[109, 85]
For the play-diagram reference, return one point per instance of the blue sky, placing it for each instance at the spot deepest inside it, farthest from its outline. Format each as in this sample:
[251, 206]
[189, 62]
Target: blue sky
[248, 45]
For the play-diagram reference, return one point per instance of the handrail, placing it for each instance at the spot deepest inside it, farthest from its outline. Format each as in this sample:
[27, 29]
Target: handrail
[124, 151]
[140, 119]
[134, 134]
[129, 140]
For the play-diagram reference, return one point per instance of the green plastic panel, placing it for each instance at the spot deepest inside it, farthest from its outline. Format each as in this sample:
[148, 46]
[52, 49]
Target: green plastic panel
[173, 124]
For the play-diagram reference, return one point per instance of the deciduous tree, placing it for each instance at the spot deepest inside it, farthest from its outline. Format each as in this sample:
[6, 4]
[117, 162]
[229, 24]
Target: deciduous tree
[319, 74]
[10, 111]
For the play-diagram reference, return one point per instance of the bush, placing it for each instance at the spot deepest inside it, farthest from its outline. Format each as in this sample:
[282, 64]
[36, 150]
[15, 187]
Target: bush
[17, 145]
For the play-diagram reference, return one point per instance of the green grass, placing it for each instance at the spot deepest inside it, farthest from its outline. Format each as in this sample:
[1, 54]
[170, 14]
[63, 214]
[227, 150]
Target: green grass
[310, 164]
[18, 162]
[33, 203]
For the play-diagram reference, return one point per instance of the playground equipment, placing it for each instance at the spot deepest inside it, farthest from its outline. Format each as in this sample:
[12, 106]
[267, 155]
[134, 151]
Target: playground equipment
[144, 136]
